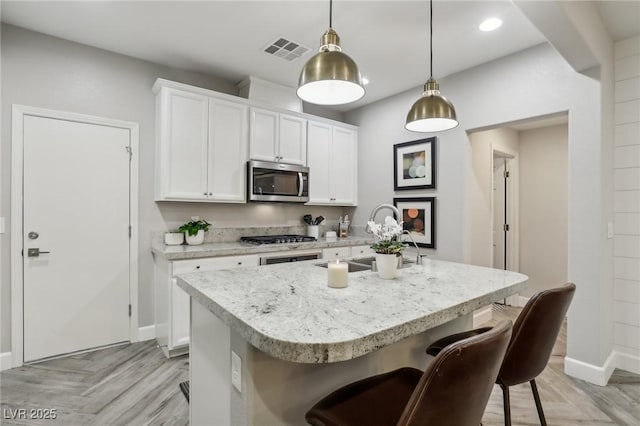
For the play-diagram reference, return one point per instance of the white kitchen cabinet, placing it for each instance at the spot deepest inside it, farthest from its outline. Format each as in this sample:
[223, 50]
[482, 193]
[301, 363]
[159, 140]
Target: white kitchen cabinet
[275, 136]
[336, 253]
[361, 251]
[172, 309]
[332, 157]
[201, 147]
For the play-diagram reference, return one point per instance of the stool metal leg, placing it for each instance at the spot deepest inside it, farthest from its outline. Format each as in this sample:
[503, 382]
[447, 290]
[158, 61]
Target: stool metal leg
[536, 397]
[507, 405]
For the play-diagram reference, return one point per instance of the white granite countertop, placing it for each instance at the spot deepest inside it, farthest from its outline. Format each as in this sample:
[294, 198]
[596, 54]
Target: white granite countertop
[289, 312]
[238, 248]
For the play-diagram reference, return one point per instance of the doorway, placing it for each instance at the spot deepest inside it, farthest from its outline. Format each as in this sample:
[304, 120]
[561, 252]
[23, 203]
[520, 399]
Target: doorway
[74, 233]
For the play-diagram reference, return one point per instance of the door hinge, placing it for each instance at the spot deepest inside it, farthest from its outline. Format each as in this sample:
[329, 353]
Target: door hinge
[129, 309]
[129, 231]
[506, 227]
[128, 148]
[506, 174]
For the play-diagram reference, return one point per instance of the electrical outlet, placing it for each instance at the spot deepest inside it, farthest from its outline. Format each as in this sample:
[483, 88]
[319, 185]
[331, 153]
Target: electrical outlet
[236, 371]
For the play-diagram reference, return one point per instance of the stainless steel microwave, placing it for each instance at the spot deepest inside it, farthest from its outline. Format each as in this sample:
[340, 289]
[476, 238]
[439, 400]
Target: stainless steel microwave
[268, 181]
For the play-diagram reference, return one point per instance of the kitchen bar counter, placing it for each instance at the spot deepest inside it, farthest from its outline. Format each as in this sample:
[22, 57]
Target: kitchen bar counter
[289, 312]
[289, 339]
[268, 342]
[238, 248]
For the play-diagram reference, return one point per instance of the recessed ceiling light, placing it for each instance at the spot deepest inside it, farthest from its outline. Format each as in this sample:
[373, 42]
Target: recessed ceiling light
[490, 24]
[365, 80]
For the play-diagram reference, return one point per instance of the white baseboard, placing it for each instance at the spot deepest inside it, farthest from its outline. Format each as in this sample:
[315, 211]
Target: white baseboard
[146, 333]
[627, 362]
[482, 316]
[5, 361]
[589, 372]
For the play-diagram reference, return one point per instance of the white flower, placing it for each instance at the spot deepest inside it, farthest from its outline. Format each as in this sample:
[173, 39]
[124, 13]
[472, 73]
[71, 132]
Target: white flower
[390, 230]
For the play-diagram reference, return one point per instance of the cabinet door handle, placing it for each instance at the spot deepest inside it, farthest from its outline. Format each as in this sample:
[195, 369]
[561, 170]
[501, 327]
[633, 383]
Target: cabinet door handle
[198, 267]
[210, 194]
[205, 194]
[239, 263]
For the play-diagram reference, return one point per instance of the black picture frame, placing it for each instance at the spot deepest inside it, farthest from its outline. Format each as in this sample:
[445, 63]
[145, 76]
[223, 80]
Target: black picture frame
[414, 164]
[419, 218]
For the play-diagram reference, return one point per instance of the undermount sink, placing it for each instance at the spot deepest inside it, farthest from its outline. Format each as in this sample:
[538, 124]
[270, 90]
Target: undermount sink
[368, 260]
[364, 264]
[351, 266]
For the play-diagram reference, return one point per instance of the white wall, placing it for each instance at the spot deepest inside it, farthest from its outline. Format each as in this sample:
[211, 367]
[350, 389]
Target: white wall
[47, 72]
[479, 248]
[531, 83]
[626, 304]
[543, 207]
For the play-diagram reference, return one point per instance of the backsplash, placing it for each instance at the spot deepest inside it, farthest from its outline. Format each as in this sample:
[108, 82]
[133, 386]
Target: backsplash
[233, 234]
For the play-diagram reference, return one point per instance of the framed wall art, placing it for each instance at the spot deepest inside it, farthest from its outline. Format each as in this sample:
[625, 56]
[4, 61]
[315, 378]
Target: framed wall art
[419, 218]
[414, 164]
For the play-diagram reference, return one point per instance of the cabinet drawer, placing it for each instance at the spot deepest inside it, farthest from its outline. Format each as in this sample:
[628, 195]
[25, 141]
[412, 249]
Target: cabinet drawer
[213, 263]
[359, 251]
[336, 253]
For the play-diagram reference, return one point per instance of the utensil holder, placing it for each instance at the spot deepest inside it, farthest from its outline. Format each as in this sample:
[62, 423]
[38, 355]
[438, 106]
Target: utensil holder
[313, 231]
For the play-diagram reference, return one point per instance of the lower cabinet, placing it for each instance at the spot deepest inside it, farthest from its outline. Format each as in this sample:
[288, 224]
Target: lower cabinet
[336, 253]
[344, 252]
[360, 251]
[172, 309]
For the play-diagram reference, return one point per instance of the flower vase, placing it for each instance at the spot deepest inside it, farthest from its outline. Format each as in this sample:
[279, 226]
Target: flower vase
[194, 240]
[387, 265]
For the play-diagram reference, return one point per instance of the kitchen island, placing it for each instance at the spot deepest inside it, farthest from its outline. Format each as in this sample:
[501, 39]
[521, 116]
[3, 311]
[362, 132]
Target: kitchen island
[298, 339]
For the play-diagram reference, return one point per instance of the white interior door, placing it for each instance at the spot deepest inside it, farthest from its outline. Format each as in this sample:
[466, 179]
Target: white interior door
[76, 208]
[499, 213]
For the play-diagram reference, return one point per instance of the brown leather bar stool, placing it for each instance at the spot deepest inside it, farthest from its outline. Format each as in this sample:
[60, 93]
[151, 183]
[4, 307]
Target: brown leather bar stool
[453, 390]
[534, 334]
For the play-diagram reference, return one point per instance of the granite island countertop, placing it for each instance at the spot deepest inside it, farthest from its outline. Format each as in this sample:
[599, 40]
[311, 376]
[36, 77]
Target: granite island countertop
[289, 312]
[239, 248]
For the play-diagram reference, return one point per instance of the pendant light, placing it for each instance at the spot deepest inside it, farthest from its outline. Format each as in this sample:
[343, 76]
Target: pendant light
[330, 77]
[432, 112]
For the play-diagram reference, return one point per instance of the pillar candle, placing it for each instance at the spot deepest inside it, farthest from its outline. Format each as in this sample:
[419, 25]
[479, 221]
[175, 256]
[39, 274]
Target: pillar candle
[338, 274]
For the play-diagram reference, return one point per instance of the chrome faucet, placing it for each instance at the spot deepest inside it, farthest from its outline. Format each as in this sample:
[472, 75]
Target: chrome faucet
[380, 207]
[398, 218]
[419, 256]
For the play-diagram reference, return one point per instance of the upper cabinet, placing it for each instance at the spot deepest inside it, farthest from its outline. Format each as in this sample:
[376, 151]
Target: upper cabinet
[275, 136]
[332, 159]
[204, 139]
[201, 147]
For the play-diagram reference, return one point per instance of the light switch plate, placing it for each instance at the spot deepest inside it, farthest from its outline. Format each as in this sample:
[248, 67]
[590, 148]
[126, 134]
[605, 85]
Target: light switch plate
[236, 371]
[2, 226]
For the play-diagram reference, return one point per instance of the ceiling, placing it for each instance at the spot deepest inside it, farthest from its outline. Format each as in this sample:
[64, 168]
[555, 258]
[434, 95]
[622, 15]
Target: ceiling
[388, 39]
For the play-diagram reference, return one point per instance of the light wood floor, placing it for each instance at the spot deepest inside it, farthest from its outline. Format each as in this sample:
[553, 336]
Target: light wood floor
[135, 385]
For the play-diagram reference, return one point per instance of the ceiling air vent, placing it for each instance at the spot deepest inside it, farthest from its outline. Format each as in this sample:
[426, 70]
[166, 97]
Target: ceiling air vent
[286, 49]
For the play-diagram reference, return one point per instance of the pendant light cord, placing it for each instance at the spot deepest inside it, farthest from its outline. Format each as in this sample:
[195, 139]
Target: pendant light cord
[430, 38]
[330, 13]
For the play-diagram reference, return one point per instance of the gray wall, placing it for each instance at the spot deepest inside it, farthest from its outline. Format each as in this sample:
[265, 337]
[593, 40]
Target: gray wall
[543, 206]
[47, 72]
[532, 83]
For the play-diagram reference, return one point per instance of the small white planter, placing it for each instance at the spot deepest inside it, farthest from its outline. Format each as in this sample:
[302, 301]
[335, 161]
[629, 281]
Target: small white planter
[387, 265]
[173, 238]
[194, 240]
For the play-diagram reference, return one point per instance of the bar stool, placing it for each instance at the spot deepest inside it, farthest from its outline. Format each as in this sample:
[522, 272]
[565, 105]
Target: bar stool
[534, 334]
[452, 391]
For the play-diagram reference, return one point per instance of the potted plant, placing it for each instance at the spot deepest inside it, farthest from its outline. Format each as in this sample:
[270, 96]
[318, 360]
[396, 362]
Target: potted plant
[194, 230]
[388, 247]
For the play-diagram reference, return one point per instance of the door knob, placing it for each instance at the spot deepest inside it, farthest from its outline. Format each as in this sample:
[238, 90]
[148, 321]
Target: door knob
[35, 252]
